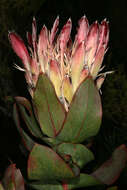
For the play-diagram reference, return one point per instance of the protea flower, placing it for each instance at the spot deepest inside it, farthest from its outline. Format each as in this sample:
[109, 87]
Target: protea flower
[67, 64]
[65, 109]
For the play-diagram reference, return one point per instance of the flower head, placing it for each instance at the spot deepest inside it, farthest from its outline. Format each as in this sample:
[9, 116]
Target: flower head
[67, 64]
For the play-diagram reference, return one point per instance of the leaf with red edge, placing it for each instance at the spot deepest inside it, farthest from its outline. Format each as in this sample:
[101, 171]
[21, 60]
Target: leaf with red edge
[44, 165]
[27, 114]
[84, 180]
[110, 171]
[13, 179]
[79, 154]
[84, 116]
[26, 140]
[48, 109]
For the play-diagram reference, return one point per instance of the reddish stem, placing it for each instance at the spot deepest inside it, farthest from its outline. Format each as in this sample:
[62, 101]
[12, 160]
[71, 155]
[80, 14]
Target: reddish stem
[65, 186]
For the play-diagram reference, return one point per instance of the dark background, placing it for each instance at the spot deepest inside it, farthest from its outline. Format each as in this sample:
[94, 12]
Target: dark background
[17, 15]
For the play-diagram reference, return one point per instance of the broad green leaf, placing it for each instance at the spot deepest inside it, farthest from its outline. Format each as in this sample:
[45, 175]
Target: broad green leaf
[84, 180]
[109, 172]
[48, 109]
[78, 152]
[45, 164]
[84, 116]
[52, 142]
[28, 116]
[26, 140]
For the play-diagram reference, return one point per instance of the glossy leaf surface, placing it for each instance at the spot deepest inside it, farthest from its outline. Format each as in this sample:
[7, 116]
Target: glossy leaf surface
[84, 116]
[48, 109]
[84, 180]
[78, 152]
[28, 116]
[44, 164]
[26, 140]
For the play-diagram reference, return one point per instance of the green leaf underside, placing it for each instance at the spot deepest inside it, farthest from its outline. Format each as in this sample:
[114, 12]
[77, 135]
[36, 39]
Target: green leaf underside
[84, 180]
[26, 140]
[84, 117]
[79, 153]
[109, 172]
[29, 120]
[44, 164]
[48, 109]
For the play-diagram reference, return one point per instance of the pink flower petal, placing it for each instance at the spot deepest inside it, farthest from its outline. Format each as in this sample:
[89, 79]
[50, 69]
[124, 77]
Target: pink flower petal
[103, 34]
[82, 30]
[65, 35]
[91, 43]
[77, 64]
[20, 49]
[43, 41]
[97, 62]
[54, 30]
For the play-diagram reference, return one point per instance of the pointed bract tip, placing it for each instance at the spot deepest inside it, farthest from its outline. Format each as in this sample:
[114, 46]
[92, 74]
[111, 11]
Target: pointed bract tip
[69, 20]
[57, 18]
[83, 42]
[10, 32]
[44, 26]
[104, 22]
[84, 16]
[33, 17]
[94, 25]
